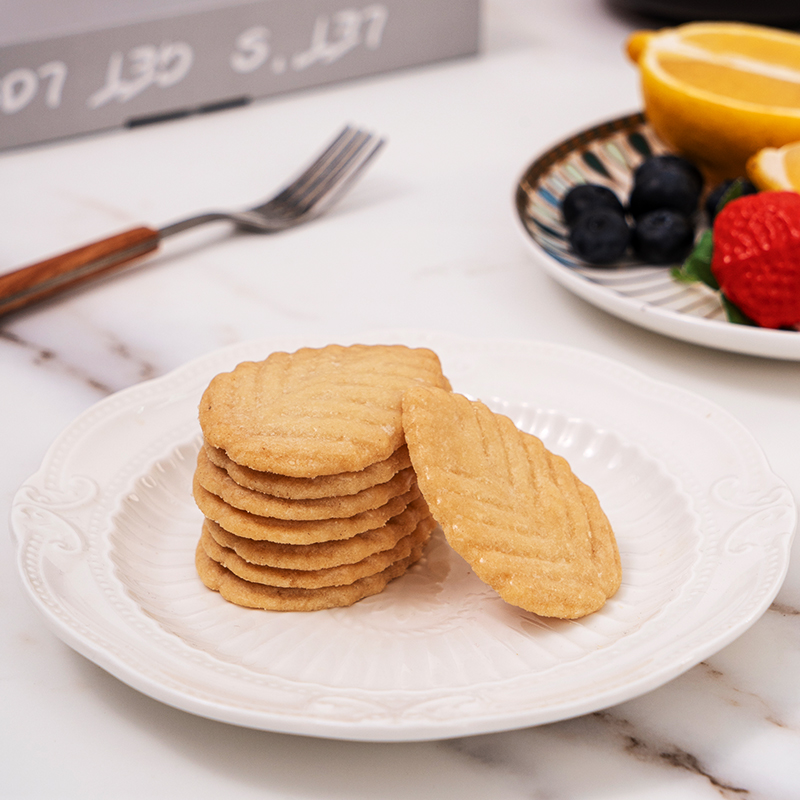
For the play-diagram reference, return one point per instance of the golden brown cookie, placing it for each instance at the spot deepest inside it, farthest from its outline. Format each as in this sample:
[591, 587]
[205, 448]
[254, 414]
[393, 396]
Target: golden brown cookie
[344, 483]
[218, 482]
[255, 595]
[515, 511]
[317, 411]
[340, 575]
[288, 531]
[324, 554]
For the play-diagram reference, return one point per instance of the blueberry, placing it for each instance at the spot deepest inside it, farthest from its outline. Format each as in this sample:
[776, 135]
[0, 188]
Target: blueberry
[585, 196]
[663, 236]
[719, 191]
[665, 181]
[600, 236]
[655, 165]
[664, 190]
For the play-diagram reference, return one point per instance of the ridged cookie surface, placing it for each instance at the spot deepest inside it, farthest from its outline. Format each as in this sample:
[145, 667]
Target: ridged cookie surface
[324, 554]
[339, 575]
[217, 480]
[515, 511]
[317, 411]
[255, 595]
[295, 531]
[343, 483]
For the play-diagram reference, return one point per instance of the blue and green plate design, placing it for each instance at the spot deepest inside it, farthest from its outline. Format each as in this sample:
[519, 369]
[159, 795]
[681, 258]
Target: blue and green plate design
[605, 154]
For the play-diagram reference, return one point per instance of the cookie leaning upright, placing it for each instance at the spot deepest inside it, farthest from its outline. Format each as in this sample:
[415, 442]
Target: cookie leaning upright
[513, 510]
[317, 411]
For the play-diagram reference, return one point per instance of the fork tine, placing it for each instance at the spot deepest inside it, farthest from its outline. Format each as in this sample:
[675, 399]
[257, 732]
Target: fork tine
[322, 163]
[334, 187]
[362, 148]
[337, 167]
[329, 174]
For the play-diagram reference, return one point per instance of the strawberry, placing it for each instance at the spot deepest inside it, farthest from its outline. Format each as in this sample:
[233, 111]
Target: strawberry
[756, 258]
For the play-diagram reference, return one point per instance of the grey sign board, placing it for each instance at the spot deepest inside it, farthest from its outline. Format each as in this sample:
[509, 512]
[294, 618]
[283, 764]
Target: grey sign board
[64, 70]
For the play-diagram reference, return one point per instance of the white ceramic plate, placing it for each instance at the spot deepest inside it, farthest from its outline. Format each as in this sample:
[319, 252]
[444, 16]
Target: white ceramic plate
[106, 531]
[642, 294]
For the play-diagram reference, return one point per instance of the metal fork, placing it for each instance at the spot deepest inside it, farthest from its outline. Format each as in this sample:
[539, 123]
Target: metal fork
[305, 198]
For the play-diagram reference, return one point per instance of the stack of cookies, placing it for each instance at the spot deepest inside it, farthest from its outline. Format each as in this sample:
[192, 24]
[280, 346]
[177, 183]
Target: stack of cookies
[304, 478]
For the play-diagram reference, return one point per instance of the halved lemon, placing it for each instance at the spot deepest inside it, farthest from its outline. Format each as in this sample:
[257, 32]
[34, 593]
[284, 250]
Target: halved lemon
[776, 168]
[718, 92]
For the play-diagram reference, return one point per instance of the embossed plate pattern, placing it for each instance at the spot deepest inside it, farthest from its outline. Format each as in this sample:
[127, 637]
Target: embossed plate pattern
[642, 294]
[105, 534]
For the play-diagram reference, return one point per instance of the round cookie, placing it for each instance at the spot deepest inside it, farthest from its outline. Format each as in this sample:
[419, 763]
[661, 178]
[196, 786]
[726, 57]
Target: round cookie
[341, 575]
[289, 531]
[254, 595]
[317, 411]
[218, 482]
[345, 483]
[324, 554]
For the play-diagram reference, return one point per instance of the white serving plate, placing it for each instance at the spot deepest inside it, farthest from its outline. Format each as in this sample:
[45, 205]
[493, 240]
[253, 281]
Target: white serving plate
[105, 534]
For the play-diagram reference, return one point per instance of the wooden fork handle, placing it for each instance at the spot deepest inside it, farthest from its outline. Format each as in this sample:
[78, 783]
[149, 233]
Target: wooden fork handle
[36, 282]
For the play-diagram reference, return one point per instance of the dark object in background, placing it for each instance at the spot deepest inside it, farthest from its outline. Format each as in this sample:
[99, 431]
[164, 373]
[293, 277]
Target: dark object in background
[785, 13]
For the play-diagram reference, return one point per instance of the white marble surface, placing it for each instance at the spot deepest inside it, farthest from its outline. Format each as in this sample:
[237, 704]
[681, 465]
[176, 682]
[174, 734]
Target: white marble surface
[427, 240]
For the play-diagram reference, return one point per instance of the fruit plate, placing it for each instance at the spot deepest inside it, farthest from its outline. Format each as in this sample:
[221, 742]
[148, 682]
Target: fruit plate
[643, 294]
[105, 534]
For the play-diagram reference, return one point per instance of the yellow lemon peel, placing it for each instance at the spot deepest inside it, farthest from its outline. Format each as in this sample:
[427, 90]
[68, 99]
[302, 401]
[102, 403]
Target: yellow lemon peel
[719, 92]
[776, 168]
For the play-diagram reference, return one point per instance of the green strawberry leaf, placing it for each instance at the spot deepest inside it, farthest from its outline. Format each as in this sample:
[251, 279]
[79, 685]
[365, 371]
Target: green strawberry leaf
[736, 189]
[735, 315]
[697, 266]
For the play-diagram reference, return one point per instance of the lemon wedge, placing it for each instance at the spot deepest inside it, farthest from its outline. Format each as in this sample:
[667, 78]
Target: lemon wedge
[776, 168]
[718, 92]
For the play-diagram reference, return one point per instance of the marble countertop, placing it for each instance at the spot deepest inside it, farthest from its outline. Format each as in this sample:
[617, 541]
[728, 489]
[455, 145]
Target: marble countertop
[427, 240]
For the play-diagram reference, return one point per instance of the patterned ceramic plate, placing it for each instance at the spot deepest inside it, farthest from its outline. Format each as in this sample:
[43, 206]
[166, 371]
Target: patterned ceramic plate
[106, 531]
[642, 294]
